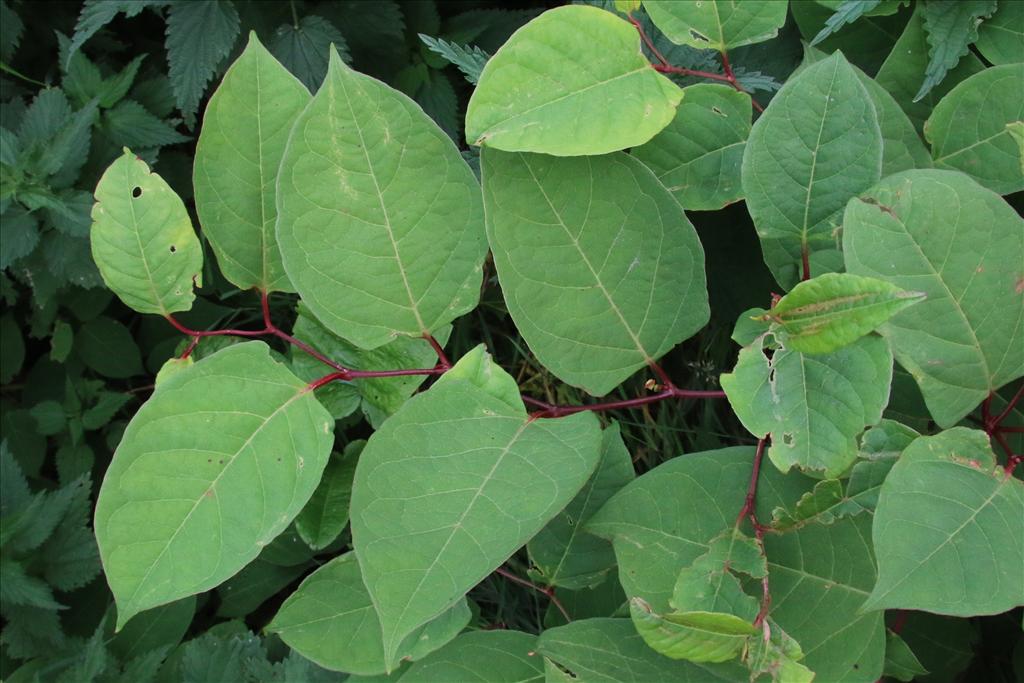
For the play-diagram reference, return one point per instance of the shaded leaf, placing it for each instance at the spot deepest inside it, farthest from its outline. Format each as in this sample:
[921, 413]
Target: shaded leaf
[200, 33]
[951, 28]
[304, 48]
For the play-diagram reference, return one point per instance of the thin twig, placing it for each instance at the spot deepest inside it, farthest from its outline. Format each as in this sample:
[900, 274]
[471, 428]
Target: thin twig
[550, 592]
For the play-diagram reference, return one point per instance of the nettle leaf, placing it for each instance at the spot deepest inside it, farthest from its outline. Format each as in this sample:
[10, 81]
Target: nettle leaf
[949, 529]
[1001, 36]
[245, 129]
[305, 48]
[326, 514]
[432, 481]
[813, 406]
[846, 12]
[332, 607]
[698, 155]
[717, 24]
[694, 636]
[493, 656]
[96, 14]
[817, 144]
[200, 33]
[831, 311]
[978, 128]
[470, 60]
[211, 469]
[142, 239]
[951, 28]
[611, 651]
[942, 233]
[569, 60]
[394, 242]
[599, 266]
[561, 553]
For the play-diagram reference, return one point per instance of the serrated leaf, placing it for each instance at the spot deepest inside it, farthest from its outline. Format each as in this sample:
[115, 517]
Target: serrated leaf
[978, 128]
[18, 588]
[951, 28]
[326, 514]
[11, 27]
[12, 349]
[847, 12]
[561, 553]
[211, 658]
[245, 129]
[828, 312]
[693, 636]
[598, 283]
[569, 60]
[333, 602]
[717, 24]
[130, 124]
[96, 14]
[69, 558]
[304, 48]
[949, 529]
[235, 430]
[431, 479]
[498, 656]
[697, 156]
[941, 233]
[817, 144]
[469, 59]
[49, 417]
[412, 207]
[19, 235]
[200, 33]
[813, 406]
[1001, 36]
[144, 245]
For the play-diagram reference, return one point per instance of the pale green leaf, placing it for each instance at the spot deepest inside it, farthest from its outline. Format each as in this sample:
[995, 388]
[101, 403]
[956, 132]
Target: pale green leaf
[778, 656]
[326, 514]
[813, 406]
[717, 24]
[434, 478]
[694, 636]
[828, 312]
[142, 239]
[393, 244]
[817, 144]
[484, 657]
[698, 155]
[562, 554]
[710, 584]
[951, 28]
[972, 129]
[949, 529]
[214, 466]
[245, 128]
[573, 81]
[941, 233]
[1001, 36]
[600, 268]
[331, 620]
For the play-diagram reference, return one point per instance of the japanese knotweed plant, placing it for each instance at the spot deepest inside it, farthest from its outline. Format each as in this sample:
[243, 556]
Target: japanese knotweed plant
[732, 567]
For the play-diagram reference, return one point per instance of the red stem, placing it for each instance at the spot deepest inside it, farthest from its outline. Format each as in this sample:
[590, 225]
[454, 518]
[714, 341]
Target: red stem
[900, 621]
[805, 258]
[442, 359]
[1009, 406]
[748, 502]
[550, 592]
[647, 41]
[549, 410]
[748, 512]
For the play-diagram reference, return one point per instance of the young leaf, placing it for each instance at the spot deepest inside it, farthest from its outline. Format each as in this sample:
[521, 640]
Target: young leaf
[951, 28]
[570, 60]
[833, 310]
[394, 244]
[142, 239]
[817, 145]
[200, 33]
[326, 514]
[245, 128]
[493, 656]
[1001, 36]
[978, 128]
[949, 529]
[333, 603]
[599, 282]
[469, 59]
[717, 24]
[942, 233]
[432, 481]
[697, 156]
[694, 636]
[213, 467]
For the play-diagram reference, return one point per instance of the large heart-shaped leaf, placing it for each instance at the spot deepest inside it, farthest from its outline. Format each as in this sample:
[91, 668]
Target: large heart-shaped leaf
[493, 656]
[211, 469]
[717, 24]
[601, 270]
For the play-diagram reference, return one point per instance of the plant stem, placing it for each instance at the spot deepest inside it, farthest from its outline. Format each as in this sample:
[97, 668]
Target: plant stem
[549, 410]
[442, 359]
[805, 259]
[550, 592]
[748, 512]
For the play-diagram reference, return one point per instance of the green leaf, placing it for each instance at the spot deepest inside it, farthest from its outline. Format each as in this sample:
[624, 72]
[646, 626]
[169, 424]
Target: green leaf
[847, 12]
[49, 416]
[144, 245]
[951, 28]
[61, 342]
[20, 235]
[817, 144]
[12, 349]
[828, 312]
[333, 603]
[900, 661]
[245, 129]
[944, 645]
[432, 480]
[394, 244]
[778, 656]
[710, 584]
[978, 128]
[493, 656]
[200, 33]
[18, 588]
[561, 553]
[132, 125]
[214, 466]
[949, 529]
[326, 514]
[11, 27]
[258, 582]
[1001, 36]
[469, 59]
[570, 60]
[941, 233]
[107, 346]
[599, 266]
[160, 627]
[304, 48]
[717, 24]
[611, 651]
[813, 406]
[96, 14]
[698, 155]
[694, 636]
